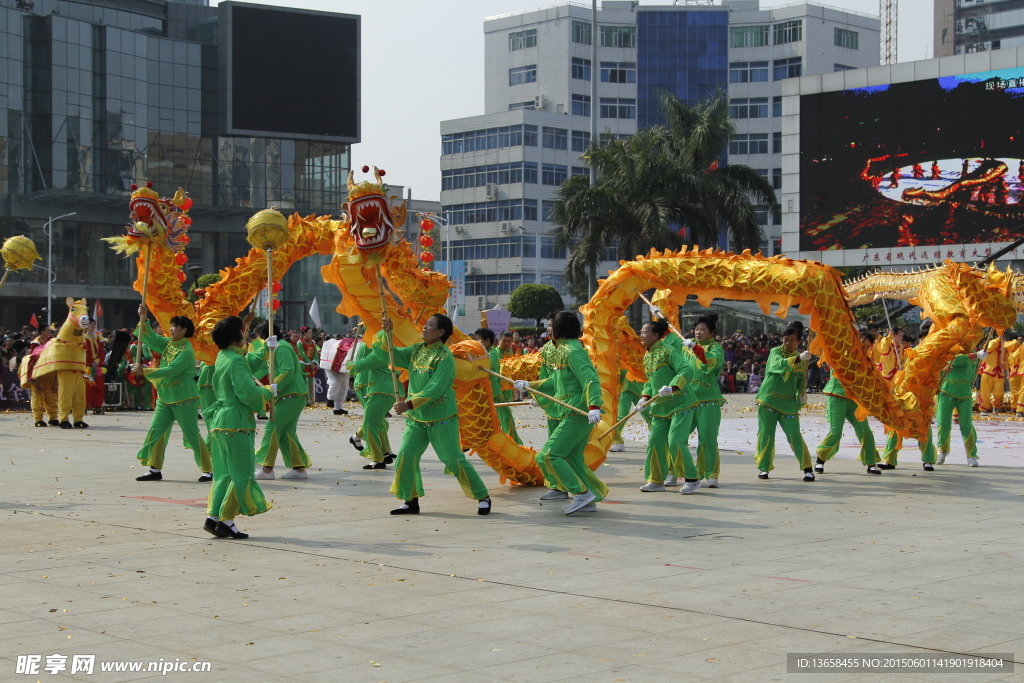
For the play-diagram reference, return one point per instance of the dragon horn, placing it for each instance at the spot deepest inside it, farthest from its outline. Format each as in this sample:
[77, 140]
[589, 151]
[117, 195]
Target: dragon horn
[351, 180]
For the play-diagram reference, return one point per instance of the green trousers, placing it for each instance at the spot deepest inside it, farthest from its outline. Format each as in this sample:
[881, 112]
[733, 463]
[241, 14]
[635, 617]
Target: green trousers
[166, 414]
[374, 430]
[894, 444]
[561, 458]
[140, 397]
[838, 411]
[508, 423]
[280, 433]
[235, 490]
[444, 437]
[626, 400]
[767, 421]
[944, 406]
[667, 448]
[707, 419]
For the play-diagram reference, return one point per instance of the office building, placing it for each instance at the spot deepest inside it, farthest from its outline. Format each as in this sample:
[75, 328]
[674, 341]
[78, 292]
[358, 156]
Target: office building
[965, 26]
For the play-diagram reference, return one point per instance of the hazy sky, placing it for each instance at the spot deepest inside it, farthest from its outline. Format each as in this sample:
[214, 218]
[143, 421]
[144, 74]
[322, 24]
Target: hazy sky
[423, 63]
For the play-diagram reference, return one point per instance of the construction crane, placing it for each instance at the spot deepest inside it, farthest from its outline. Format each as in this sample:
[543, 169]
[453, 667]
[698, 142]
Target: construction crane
[888, 11]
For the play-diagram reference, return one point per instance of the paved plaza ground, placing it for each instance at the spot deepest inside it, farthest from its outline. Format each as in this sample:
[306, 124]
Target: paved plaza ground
[720, 585]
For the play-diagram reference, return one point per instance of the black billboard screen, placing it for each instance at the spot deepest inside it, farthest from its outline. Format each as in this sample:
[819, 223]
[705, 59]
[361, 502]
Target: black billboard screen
[294, 72]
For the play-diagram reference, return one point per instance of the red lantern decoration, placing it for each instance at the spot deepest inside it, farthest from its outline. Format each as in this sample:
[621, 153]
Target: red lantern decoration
[426, 225]
[180, 259]
[200, 293]
[181, 276]
[186, 221]
[276, 304]
[426, 240]
[426, 257]
[185, 239]
[276, 287]
[186, 205]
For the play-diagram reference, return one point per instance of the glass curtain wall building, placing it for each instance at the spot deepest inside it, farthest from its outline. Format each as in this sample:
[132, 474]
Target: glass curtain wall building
[96, 96]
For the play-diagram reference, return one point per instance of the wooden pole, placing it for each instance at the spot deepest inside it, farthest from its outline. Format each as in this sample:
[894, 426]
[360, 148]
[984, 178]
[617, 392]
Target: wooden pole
[388, 339]
[539, 393]
[270, 323]
[3, 279]
[145, 290]
[616, 425]
[669, 322]
[512, 403]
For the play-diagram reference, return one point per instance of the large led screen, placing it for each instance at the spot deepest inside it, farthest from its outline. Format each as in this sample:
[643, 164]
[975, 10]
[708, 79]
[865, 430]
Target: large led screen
[930, 162]
[294, 72]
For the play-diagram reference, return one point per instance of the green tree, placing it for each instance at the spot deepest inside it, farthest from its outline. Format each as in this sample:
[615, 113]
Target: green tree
[202, 282]
[534, 301]
[661, 188]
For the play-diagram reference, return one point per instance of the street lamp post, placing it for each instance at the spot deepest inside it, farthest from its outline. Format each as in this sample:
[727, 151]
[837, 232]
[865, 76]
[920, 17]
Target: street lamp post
[48, 229]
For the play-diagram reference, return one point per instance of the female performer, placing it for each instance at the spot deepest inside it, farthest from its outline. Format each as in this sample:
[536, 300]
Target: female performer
[956, 394]
[281, 432]
[374, 389]
[486, 337]
[708, 394]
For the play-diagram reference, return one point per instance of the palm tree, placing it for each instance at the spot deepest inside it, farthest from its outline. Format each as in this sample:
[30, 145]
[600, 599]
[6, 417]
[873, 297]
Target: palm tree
[656, 183]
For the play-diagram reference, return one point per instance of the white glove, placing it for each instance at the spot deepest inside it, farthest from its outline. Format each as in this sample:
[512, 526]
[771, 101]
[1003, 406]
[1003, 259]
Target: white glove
[803, 399]
[689, 343]
[521, 385]
[594, 416]
[273, 387]
[982, 355]
[665, 391]
[656, 312]
[272, 342]
[533, 402]
[805, 355]
[643, 404]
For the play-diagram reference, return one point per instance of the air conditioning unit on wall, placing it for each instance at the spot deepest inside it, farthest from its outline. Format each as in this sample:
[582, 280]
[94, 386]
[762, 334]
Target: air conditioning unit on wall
[491, 190]
[506, 228]
[538, 102]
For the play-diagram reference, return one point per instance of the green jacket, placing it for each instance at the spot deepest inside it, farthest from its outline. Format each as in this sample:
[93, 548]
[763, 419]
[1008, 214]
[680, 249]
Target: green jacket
[205, 376]
[666, 366]
[784, 381]
[175, 379]
[431, 379]
[706, 388]
[833, 387]
[370, 370]
[500, 395]
[959, 380]
[238, 395]
[572, 378]
[256, 358]
[288, 372]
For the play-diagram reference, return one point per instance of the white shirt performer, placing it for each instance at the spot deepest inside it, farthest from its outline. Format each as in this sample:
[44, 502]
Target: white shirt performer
[333, 356]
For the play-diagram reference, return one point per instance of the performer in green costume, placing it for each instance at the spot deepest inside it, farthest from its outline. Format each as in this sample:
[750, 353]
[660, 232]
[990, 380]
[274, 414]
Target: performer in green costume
[668, 398]
[894, 442]
[840, 409]
[140, 394]
[375, 390]
[955, 394]
[505, 418]
[432, 417]
[280, 432]
[783, 392]
[235, 490]
[708, 393]
[177, 397]
[573, 379]
[629, 395]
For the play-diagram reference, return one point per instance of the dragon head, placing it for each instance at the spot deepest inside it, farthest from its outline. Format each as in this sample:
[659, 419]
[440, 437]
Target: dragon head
[153, 217]
[371, 212]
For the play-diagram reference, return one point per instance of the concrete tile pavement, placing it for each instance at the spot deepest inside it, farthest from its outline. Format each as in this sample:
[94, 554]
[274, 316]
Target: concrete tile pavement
[652, 587]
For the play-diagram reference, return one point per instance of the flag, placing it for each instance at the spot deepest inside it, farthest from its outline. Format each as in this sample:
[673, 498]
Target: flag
[314, 314]
[97, 312]
[34, 321]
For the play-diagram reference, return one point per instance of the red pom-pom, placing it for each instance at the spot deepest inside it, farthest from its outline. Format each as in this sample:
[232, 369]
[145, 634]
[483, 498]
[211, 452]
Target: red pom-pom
[200, 293]
[181, 276]
[186, 221]
[426, 225]
[186, 239]
[276, 287]
[426, 257]
[186, 205]
[133, 187]
[427, 240]
[366, 169]
[149, 184]
[381, 173]
[180, 259]
[276, 304]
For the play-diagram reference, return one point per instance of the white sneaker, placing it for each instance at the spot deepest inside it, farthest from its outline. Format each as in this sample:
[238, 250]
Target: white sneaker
[689, 487]
[972, 462]
[652, 486]
[586, 508]
[580, 500]
[260, 474]
[294, 474]
[712, 483]
[941, 460]
[617, 447]
[554, 494]
[670, 480]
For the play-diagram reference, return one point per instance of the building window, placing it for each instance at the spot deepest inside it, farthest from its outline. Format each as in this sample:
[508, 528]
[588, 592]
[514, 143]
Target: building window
[580, 140]
[547, 211]
[490, 138]
[787, 68]
[777, 105]
[494, 285]
[522, 74]
[499, 174]
[581, 69]
[777, 178]
[748, 36]
[581, 33]
[847, 39]
[554, 138]
[580, 170]
[553, 174]
[618, 36]
[748, 108]
[618, 108]
[522, 39]
[619, 72]
[748, 72]
[776, 143]
[516, 106]
[788, 32]
[491, 212]
[581, 105]
[752, 143]
[842, 67]
[549, 248]
[494, 248]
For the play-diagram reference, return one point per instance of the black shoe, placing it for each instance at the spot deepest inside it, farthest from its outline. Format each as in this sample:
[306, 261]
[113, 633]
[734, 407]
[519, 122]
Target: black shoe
[340, 411]
[65, 425]
[389, 458]
[330, 403]
[205, 477]
[150, 476]
[224, 531]
[819, 466]
[389, 415]
[486, 510]
[261, 417]
[211, 526]
[885, 466]
[928, 467]
[872, 469]
[53, 423]
[411, 507]
[40, 424]
[762, 475]
[376, 466]
[808, 475]
[356, 442]
[81, 425]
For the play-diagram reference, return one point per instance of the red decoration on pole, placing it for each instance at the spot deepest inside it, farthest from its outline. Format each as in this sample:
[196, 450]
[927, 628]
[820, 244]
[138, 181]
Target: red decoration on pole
[181, 276]
[426, 257]
[180, 259]
[276, 287]
[276, 304]
[427, 240]
[426, 225]
[186, 205]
